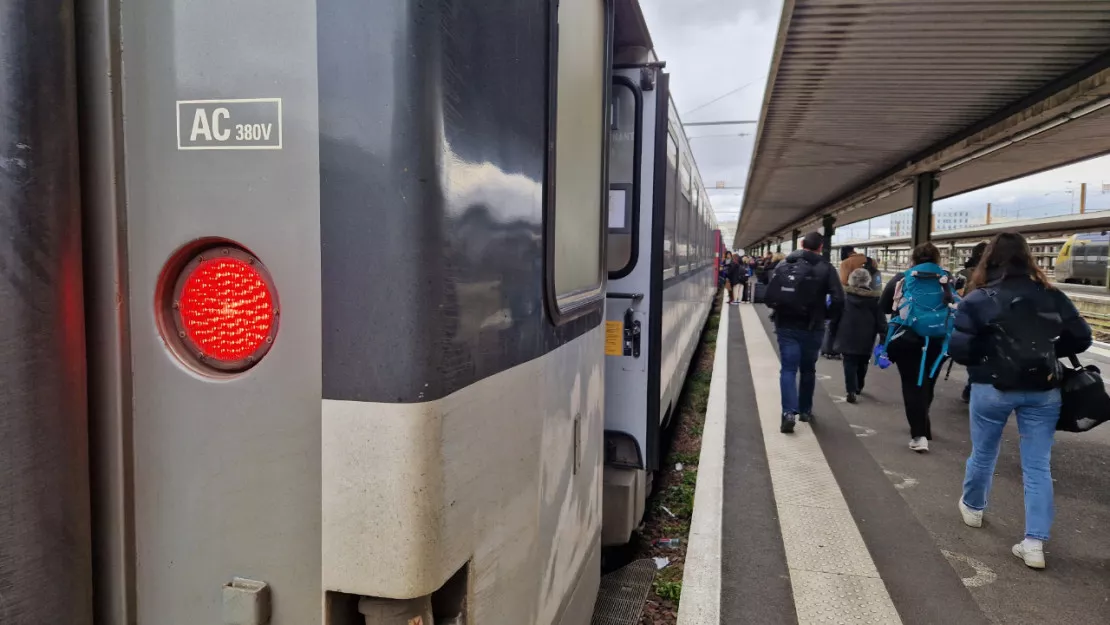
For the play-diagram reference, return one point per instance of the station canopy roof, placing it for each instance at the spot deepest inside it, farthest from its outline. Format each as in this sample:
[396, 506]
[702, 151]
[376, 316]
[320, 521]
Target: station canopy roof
[863, 95]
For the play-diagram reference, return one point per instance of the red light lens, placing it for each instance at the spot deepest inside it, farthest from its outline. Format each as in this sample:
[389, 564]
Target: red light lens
[226, 309]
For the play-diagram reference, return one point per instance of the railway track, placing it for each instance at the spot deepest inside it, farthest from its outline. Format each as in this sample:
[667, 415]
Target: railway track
[1100, 324]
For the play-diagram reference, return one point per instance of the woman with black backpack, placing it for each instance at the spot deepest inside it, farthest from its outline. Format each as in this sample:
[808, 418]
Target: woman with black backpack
[1010, 331]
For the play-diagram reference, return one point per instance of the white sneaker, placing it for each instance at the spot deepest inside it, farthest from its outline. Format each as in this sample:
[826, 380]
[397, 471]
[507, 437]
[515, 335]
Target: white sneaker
[972, 518]
[919, 444]
[1032, 552]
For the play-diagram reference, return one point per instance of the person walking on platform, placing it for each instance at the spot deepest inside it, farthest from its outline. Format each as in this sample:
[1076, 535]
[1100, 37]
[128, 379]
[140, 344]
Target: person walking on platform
[856, 329]
[775, 260]
[796, 294]
[1010, 331]
[963, 278]
[876, 275]
[850, 260]
[917, 358]
[722, 279]
[735, 269]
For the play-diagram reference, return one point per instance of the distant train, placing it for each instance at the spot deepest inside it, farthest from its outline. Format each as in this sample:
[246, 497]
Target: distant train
[1083, 259]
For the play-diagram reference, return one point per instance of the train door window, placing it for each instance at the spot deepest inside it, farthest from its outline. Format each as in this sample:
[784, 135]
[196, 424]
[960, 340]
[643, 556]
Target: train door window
[670, 204]
[576, 118]
[624, 157]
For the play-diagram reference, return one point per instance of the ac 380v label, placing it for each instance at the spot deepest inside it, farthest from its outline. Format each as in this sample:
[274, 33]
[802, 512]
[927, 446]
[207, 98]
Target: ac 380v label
[248, 124]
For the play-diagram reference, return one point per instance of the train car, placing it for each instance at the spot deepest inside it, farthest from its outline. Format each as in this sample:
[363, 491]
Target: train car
[1083, 259]
[662, 277]
[337, 271]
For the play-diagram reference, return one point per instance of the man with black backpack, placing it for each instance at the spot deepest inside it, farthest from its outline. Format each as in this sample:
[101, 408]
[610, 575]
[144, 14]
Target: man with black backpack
[803, 292]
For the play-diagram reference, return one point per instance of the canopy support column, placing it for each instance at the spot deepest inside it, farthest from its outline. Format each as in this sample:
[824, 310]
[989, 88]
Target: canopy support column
[923, 187]
[828, 228]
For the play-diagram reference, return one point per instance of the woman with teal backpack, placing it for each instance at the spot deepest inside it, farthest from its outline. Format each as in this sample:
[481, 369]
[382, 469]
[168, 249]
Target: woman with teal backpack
[921, 302]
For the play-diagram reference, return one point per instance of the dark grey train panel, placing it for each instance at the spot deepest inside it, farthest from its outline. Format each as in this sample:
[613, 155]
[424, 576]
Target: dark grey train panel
[433, 131]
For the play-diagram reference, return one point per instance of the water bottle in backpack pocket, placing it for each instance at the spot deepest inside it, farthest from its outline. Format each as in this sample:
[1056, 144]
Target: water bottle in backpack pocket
[1022, 354]
[925, 303]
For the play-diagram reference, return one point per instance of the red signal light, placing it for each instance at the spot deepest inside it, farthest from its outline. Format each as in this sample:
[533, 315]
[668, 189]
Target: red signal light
[224, 309]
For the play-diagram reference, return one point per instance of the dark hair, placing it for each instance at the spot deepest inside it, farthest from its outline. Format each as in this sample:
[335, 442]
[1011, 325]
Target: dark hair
[813, 241]
[846, 251]
[976, 255]
[925, 253]
[1009, 252]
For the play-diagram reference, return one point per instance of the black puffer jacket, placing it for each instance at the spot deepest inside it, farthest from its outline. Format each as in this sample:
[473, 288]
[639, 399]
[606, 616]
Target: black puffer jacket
[859, 323]
[970, 340]
[737, 272]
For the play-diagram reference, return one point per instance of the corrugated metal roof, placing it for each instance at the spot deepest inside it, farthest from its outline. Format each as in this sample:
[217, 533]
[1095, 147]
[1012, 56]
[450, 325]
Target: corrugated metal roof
[860, 87]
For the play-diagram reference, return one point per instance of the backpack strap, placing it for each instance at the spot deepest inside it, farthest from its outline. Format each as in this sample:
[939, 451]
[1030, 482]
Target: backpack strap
[941, 356]
[921, 368]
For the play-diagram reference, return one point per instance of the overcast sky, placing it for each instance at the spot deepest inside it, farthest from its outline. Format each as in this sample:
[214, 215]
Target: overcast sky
[713, 47]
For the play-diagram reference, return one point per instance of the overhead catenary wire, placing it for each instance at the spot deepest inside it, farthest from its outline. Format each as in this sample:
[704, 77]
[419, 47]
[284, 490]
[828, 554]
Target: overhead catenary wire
[719, 98]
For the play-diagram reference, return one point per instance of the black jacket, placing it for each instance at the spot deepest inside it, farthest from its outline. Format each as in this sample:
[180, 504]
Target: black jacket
[737, 272]
[970, 341]
[833, 290]
[859, 323]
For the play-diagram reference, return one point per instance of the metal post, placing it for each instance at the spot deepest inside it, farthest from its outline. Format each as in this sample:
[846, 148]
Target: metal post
[923, 187]
[794, 236]
[988, 213]
[778, 248]
[1083, 198]
[45, 535]
[828, 228]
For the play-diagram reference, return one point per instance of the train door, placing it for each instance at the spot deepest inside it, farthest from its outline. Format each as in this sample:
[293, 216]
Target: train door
[634, 264]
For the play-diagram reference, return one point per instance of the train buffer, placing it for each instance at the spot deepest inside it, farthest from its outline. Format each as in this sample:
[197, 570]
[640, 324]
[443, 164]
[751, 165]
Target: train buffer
[842, 523]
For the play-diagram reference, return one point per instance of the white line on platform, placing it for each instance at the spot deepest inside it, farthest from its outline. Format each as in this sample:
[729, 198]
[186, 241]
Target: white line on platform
[1102, 349]
[701, 578]
[832, 574]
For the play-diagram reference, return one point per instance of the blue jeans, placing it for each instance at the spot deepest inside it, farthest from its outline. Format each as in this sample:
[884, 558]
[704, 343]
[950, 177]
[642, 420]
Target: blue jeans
[1037, 413]
[798, 350]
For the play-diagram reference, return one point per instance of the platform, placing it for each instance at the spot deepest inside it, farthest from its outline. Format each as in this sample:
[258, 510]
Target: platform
[842, 523]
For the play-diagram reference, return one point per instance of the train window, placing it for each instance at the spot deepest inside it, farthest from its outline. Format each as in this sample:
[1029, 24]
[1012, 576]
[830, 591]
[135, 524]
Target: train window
[1079, 253]
[684, 177]
[682, 237]
[669, 203]
[695, 223]
[624, 151]
[575, 200]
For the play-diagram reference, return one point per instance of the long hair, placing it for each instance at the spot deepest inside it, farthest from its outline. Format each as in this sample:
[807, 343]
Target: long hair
[1008, 252]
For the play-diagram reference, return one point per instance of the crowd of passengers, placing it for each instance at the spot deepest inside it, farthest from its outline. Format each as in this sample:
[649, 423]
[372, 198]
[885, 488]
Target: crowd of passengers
[999, 316]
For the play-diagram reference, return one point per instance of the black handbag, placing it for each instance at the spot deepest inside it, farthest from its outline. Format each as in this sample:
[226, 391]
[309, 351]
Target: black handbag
[1085, 402]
